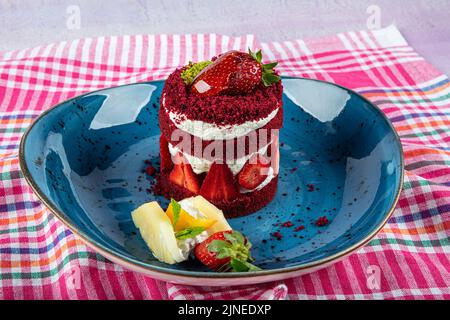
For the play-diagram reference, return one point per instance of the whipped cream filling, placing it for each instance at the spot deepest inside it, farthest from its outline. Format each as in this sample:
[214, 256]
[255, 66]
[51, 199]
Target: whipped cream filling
[187, 245]
[188, 206]
[211, 131]
[200, 165]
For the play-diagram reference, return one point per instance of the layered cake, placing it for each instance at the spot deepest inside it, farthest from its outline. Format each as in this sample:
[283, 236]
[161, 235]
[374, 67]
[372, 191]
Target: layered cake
[219, 124]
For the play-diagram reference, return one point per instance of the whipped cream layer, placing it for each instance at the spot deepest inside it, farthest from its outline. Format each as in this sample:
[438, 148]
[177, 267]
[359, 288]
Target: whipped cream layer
[211, 131]
[200, 165]
[187, 245]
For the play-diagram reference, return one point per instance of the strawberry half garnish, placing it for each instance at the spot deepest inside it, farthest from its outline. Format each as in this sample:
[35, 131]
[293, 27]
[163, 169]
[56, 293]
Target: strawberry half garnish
[166, 160]
[226, 251]
[254, 172]
[183, 175]
[219, 184]
[234, 72]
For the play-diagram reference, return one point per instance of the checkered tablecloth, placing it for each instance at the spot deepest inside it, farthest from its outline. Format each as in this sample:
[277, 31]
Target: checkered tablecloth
[41, 259]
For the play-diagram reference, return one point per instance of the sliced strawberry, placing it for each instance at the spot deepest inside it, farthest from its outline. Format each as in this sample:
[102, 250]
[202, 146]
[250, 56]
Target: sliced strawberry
[254, 172]
[183, 175]
[234, 72]
[191, 182]
[226, 251]
[166, 160]
[219, 184]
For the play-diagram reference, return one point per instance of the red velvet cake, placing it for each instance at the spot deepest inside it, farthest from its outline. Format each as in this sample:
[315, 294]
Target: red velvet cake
[219, 125]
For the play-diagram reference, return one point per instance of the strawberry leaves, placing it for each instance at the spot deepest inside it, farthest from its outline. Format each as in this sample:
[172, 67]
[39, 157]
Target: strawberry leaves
[269, 78]
[242, 266]
[235, 247]
[190, 232]
[255, 55]
[268, 74]
[269, 66]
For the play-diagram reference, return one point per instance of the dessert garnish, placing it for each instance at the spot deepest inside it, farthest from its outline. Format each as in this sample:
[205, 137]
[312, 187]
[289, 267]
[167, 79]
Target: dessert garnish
[182, 220]
[157, 231]
[193, 224]
[234, 73]
[212, 212]
[226, 251]
[243, 101]
[192, 70]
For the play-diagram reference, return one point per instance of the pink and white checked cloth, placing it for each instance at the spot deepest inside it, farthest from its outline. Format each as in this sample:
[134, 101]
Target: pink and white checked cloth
[38, 255]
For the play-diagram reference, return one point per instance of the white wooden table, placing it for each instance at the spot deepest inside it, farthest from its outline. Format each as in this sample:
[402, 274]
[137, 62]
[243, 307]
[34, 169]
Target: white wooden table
[26, 23]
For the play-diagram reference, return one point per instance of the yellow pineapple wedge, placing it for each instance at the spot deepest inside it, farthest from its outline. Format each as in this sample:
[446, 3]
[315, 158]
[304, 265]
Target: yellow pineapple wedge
[157, 231]
[213, 213]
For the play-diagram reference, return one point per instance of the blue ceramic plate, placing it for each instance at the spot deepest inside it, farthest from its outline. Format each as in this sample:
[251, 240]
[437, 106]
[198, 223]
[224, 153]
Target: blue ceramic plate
[340, 158]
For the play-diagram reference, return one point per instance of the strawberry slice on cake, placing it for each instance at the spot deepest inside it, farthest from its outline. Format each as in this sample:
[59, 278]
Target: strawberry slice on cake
[183, 176]
[254, 173]
[219, 184]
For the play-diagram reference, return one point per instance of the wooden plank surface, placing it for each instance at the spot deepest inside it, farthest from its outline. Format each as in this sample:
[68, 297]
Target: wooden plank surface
[425, 23]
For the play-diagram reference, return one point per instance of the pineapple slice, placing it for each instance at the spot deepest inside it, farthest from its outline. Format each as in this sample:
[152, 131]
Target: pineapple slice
[186, 220]
[211, 212]
[157, 231]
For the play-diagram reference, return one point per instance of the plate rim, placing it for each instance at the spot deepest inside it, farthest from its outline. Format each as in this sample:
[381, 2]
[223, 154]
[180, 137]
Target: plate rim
[165, 272]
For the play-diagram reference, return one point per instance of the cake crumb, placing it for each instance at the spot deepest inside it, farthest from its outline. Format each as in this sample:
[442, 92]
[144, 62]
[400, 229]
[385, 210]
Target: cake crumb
[322, 221]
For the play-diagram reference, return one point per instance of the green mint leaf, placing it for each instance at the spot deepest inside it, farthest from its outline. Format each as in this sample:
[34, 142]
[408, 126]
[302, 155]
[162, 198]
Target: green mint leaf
[189, 233]
[176, 209]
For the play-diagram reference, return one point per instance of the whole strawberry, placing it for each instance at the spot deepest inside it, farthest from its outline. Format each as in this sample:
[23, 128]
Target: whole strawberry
[234, 72]
[226, 251]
